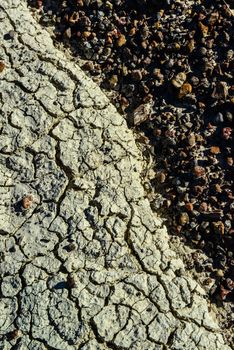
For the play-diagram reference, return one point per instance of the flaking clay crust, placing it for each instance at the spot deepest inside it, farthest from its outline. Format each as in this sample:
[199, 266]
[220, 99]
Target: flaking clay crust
[84, 262]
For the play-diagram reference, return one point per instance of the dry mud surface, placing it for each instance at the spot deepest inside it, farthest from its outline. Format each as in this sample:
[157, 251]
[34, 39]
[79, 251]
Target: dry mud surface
[84, 262]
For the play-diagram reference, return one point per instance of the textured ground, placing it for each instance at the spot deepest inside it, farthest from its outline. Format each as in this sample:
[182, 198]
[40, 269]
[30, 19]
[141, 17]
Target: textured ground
[84, 262]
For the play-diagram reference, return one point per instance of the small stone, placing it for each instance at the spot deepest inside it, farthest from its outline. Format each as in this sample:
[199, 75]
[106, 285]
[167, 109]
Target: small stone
[191, 140]
[2, 66]
[191, 45]
[136, 75]
[218, 227]
[71, 247]
[204, 29]
[224, 292]
[184, 219]
[201, 105]
[219, 273]
[157, 132]
[27, 201]
[218, 189]
[177, 46]
[68, 33]
[189, 206]
[86, 34]
[215, 150]
[162, 177]
[10, 35]
[227, 133]
[203, 207]
[229, 116]
[220, 90]
[109, 5]
[113, 81]
[213, 18]
[121, 41]
[144, 44]
[230, 161]
[124, 103]
[132, 31]
[185, 89]
[230, 283]
[179, 80]
[219, 118]
[88, 66]
[141, 113]
[199, 138]
[199, 171]
[74, 17]
[198, 189]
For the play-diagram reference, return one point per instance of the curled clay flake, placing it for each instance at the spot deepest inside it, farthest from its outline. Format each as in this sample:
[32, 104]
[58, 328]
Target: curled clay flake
[27, 201]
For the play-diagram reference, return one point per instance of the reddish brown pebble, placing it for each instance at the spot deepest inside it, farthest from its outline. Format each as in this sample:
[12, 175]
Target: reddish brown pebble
[157, 132]
[124, 103]
[224, 292]
[199, 171]
[121, 41]
[227, 133]
[185, 89]
[215, 150]
[189, 206]
[2, 66]
[27, 201]
[132, 31]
